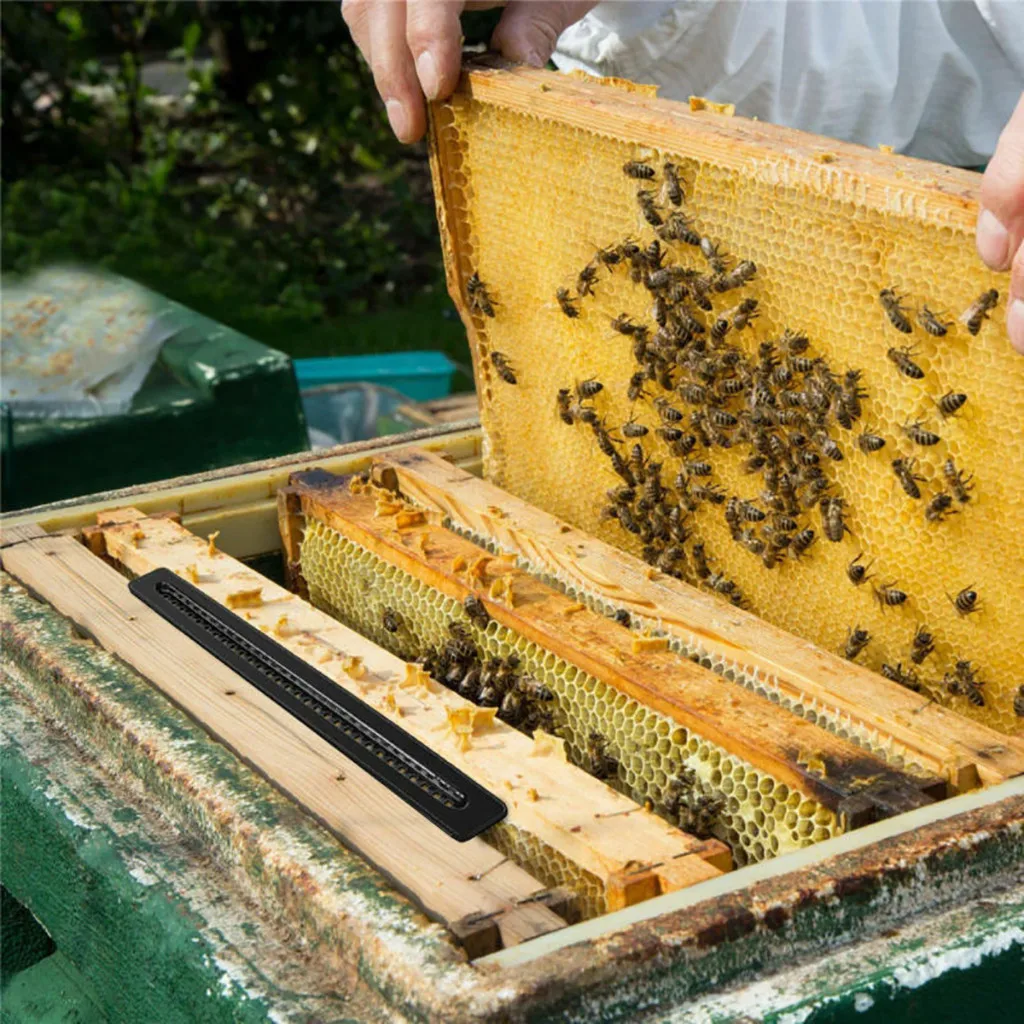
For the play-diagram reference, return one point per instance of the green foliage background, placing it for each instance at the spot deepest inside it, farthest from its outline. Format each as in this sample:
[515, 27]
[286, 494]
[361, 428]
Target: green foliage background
[270, 196]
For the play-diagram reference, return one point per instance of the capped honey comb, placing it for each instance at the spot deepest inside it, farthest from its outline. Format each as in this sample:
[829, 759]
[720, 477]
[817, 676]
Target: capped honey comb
[528, 171]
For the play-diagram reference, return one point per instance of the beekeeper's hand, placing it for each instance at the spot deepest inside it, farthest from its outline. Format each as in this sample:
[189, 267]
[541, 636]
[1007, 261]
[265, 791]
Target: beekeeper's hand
[1001, 221]
[414, 46]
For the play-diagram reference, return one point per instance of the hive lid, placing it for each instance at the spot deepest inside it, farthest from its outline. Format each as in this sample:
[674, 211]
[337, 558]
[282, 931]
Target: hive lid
[528, 171]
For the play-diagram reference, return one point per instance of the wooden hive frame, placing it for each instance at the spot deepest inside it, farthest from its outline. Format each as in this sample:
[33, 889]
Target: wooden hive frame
[594, 833]
[822, 767]
[487, 902]
[528, 178]
[835, 691]
[952, 855]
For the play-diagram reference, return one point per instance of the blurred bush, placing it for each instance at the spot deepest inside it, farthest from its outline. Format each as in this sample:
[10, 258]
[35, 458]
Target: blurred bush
[267, 191]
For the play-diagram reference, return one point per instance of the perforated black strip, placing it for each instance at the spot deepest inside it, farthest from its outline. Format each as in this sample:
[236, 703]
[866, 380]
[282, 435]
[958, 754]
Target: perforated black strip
[438, 790]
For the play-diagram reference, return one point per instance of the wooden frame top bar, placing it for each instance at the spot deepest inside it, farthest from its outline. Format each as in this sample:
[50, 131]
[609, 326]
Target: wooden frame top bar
[750, 726]
[963, 751]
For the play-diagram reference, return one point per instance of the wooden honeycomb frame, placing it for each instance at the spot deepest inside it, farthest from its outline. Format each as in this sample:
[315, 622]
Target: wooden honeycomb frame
[527, 170]
[784, 782]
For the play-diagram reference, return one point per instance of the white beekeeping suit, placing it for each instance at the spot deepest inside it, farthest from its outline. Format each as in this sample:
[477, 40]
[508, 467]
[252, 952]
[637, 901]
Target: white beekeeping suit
[936, 79]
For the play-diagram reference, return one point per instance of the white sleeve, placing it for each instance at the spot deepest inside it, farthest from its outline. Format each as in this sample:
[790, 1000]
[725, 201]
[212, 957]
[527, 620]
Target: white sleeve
[933, 78]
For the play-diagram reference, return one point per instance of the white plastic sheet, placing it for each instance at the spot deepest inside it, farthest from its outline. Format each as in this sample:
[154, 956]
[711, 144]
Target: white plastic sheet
[76, 343]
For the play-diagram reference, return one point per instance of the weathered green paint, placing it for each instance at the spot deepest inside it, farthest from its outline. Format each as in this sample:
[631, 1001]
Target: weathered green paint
[275, 852]
[670, 968]
[23, 940]
[52, 991]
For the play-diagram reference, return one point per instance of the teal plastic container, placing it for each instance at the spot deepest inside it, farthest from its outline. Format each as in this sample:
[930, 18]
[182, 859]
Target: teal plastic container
[420, 376]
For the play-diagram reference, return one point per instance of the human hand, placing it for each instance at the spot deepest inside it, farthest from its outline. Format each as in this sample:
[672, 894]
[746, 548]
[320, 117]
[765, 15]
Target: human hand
[1000, 234]
[414, 47]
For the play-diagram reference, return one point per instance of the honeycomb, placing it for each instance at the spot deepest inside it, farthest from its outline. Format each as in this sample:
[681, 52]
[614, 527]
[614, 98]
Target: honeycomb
[526, 201]
[552, 868]
[761, 817]
[832, 719]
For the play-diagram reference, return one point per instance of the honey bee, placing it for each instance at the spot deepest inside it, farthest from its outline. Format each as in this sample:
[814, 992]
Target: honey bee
[624, 325]
[710, 493]
[966, 601]
[586, 279]
[783, 522]
[720, 328]
[894, 310]
[721, 418]
[604, 440]
[964, 682]
[802, 541]
[639, 170]
[868, 443]
[1018, 702]
[503, 368]
[622, 495]
[671, 435]
[469, 685]
[699, 288]
[958, 483]
[933, 322]
[751, 513]
[589, 388]
[921, 646]
[391, 620]
[699, 814]
[828, 447]
[638, 462]
[700, 561]
[476, 611]
[584, 413]
[905, 677]
[477, 297]
[695, 394]
[611, 256]
[621, 469]
[679, 228]
[919, 435]
[697, 468]
[902, 358]
[597, 760]
[890, 596]
[832, 519]
[563, 402]
[856, 640]
[743, 272]
[715, 257]
[633, 429]
[635, 390]
[857, 571]
[794, 343]
[904, 470]
[951, 403]
[645, 200]
[673, 187]
[939, 507]
[979, 310]
[745, 313]
[567, 303]
[667, 412]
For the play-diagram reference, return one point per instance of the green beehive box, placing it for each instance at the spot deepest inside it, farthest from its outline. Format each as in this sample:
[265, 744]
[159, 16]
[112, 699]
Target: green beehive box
[212, 398]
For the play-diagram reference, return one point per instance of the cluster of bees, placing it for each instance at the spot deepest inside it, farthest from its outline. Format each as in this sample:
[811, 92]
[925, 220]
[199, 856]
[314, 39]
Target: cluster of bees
[522, 701]
[781, 404]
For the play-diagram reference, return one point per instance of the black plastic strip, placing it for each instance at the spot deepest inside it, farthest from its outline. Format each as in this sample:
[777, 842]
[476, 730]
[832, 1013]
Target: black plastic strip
[425, 780]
